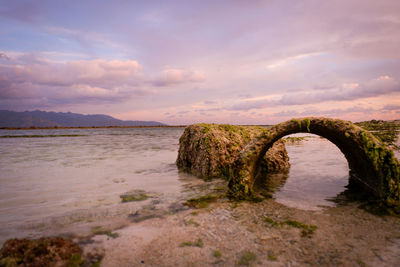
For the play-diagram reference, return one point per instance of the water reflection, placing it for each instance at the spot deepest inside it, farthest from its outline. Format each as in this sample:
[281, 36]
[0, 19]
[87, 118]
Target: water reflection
[318, 172]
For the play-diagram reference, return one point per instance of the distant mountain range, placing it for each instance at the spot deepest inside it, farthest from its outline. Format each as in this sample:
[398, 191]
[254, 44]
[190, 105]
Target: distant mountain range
[37, 118]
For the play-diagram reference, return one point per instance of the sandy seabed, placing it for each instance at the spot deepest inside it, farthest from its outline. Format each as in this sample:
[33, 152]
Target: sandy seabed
[230, 234]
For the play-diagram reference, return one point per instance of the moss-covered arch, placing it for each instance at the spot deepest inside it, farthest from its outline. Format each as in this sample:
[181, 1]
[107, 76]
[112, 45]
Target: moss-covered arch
[372, 166]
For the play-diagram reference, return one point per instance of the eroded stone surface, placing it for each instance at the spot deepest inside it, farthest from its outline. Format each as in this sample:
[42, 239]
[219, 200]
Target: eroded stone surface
[372, 165]
[208, 150]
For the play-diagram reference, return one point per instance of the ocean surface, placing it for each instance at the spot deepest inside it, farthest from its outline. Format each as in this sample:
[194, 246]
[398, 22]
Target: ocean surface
[72, 179]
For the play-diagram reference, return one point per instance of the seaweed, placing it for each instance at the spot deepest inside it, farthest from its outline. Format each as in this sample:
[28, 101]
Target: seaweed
[272, 256]
[198, 243]
[133, 197]
[379, 169]
[201, 202]
[52, 251]
[191, 221]
[271, 221]
[98, 230]
[306, 230]
[247, 258]
[217, 254]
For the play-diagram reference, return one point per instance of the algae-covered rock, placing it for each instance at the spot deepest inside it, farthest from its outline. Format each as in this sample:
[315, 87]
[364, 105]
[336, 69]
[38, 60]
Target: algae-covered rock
[53, 251]
[373, 166]
[208, 150]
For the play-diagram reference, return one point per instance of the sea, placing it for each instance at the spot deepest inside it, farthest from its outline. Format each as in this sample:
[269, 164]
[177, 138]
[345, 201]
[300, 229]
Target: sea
[67, 181]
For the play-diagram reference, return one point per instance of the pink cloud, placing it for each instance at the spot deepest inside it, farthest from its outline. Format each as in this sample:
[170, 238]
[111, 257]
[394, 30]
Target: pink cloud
[27, 76]
[382, 85]
[176, 76]
[99, 71]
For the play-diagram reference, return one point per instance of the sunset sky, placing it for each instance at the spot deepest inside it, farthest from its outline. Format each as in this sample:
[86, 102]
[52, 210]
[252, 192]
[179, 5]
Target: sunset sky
[181, 62]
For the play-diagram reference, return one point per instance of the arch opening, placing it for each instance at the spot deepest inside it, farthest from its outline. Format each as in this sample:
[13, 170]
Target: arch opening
[318, 174]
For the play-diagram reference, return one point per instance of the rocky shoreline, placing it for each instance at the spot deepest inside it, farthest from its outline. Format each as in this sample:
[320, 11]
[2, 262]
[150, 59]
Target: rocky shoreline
[226, 233]
[256, 234]
[211, 230]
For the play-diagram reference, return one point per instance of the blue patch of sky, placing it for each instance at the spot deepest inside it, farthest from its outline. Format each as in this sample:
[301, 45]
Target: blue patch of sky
[19, 38]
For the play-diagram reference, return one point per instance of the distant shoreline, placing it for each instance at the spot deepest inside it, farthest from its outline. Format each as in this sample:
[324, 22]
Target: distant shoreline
[364, 124]
[88, 127]
[102, 127]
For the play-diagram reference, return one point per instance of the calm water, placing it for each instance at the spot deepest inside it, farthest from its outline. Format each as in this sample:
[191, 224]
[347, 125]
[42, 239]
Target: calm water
[318, 172]
[50, 185]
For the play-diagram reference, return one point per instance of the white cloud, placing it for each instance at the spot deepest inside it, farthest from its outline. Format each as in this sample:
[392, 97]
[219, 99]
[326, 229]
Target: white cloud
[383, 85]
[292, 59]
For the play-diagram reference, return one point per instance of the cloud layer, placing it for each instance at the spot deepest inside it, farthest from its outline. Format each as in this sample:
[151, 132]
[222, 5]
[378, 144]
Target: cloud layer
[190, 61]
[383, 85]
[39, 80]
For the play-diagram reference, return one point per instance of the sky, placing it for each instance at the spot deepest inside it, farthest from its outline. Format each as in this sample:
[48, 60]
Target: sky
[183, 62]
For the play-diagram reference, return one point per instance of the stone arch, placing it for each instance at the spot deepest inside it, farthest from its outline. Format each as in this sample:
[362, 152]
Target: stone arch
[372, 166]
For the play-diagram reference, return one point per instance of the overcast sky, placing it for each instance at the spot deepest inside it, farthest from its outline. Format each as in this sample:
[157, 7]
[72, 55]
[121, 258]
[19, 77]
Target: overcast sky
[181, 62]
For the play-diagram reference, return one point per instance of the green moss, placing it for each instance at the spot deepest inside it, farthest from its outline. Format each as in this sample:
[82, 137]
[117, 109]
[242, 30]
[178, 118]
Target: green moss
[307, 122]
[217, 254]
[235, 205]
[384, 162]
[361, 263]
[381, 158]
[136, 196]
[272, 256]
[239, 191]
[293, 139]
[9, 262]
[52, 251]
[271, 221]
[386, 131]
[206, 127]
[98, 230]
[143, 217]
[191, 221]
[297, 121]
[201, 202]
[207, 142]
[247, 258]
[376, 125]
[199, 243]
[229, 128]
[75, 261]
[186, 244]
[306, 230]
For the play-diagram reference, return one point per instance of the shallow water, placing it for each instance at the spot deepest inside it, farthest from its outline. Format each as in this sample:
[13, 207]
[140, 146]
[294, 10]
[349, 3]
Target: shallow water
[67, 179]
[57, 184]
[318, 172]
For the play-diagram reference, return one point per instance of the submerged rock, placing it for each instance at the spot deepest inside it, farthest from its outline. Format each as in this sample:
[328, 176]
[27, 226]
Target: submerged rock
[208, 150]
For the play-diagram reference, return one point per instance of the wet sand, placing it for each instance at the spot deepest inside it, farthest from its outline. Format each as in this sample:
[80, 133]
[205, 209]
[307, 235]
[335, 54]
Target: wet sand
[345, 236]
